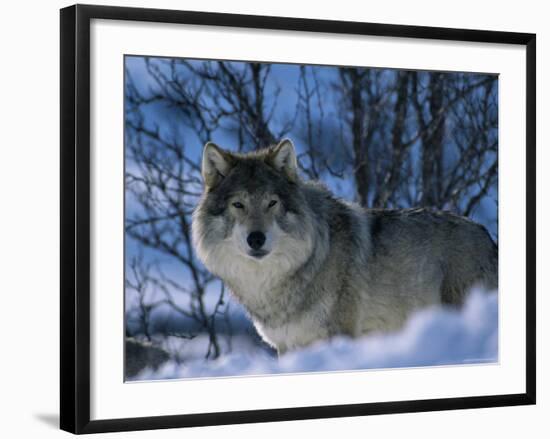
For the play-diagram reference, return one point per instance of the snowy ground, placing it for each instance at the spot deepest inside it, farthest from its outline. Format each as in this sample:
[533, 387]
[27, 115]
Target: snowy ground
[434, 336]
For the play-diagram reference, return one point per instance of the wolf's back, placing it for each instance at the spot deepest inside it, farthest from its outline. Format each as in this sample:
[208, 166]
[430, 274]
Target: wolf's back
[443, 248]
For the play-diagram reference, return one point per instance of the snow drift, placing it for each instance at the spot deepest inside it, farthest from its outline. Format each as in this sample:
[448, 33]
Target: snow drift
[431, 337]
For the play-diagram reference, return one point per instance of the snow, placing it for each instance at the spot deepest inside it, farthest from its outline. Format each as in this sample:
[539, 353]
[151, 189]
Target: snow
[431, 337]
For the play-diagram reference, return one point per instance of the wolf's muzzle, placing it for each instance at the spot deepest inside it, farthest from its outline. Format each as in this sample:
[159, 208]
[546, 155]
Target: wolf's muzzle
[256, 240]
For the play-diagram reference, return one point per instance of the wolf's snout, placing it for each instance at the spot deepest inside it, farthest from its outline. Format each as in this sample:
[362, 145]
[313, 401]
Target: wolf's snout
[256, 240]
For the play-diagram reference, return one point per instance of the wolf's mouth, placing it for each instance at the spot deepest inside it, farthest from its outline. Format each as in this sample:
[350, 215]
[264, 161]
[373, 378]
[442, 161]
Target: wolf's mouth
[258, 254]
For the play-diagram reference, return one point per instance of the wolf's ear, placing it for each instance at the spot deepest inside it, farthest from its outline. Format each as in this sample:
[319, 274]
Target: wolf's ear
[284, 159]
[216, 163]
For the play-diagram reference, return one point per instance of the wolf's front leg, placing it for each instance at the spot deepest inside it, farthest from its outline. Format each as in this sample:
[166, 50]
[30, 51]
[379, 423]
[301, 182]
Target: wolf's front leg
[281, 350]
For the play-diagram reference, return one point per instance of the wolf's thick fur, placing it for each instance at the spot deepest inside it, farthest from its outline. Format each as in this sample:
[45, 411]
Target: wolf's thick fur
[318, 266]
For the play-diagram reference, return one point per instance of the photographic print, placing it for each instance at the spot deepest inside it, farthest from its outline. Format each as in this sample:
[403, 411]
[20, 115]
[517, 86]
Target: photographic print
[287, 218]
[288, 206]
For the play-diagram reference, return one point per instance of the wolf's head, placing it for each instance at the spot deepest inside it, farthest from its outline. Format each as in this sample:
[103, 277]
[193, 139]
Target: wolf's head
[253, 213]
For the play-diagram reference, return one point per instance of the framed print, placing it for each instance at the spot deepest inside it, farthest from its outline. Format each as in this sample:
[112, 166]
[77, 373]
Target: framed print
[268, 218]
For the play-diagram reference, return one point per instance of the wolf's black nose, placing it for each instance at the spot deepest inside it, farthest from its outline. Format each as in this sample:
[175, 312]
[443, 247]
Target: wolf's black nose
[256, 240]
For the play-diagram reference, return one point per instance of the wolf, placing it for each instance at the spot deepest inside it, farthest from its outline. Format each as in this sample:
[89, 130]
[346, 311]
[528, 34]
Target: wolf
[308, 266]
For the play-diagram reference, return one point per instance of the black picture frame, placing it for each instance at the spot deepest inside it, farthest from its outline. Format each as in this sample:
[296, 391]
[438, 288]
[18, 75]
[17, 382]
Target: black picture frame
[75, 217]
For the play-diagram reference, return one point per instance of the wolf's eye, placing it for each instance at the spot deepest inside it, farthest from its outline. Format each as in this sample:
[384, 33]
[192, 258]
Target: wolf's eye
[272, 203]
[238, 205]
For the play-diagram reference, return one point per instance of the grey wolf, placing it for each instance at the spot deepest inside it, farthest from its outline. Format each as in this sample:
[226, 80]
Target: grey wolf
[308, 266]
